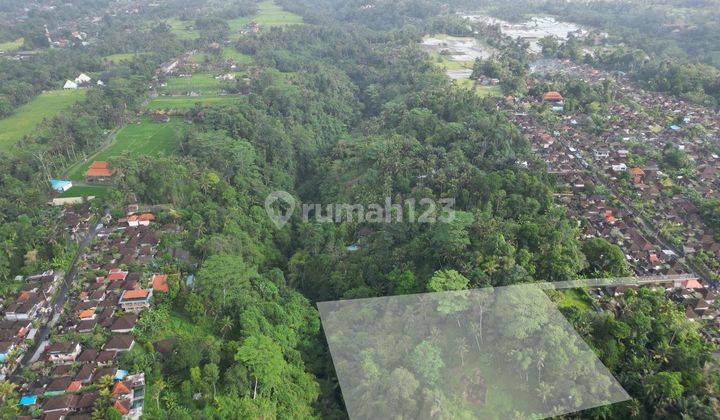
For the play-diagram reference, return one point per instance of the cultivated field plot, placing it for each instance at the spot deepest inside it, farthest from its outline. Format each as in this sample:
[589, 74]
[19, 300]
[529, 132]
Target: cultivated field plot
[202, 83]
[232, 54]
[120, 57]
[11, 46]
[188, 102]
[86, 191]
[146, 138]
[26, 118]
[269, 15]
[184, 30]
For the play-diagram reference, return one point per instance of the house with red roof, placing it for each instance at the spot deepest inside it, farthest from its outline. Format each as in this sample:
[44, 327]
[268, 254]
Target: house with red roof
[159, 282]
[98, 172]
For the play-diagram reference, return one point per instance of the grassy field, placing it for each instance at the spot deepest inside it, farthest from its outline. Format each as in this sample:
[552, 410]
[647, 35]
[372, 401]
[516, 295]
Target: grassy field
[182, 29]
[86, 190]
[577, 298]
[145, 138]
[26, 118]
[118, 58]
[446, 63]
[233, 54]
[203, 83]
[269, 15]
[11, 46]
[481, 90]
[188, 102]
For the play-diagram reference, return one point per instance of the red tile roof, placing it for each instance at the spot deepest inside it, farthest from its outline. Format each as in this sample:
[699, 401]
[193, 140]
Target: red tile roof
[88, 313]
[100, 164]
[135, 294]
[74, 386]
[159, 282]
[119, 406]
[120, 389]
[98, 172]
[552, 96]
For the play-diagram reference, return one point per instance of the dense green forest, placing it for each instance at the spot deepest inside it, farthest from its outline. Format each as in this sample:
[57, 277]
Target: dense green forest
[344, 109]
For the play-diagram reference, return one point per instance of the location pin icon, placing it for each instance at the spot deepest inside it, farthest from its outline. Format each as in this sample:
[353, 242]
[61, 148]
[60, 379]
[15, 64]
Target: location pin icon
[276, 214]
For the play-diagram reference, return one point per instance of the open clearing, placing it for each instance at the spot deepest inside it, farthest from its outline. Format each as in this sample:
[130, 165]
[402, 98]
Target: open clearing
[184, 30]
[119, 58]
[269, 15]
[188, 102]
[86, 191]
[202, 83]
[26, 118]
[232, 54]
[146, 138]
[11, 46]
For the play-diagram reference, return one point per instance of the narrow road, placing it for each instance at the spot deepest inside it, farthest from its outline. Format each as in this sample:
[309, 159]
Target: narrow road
[58, 301]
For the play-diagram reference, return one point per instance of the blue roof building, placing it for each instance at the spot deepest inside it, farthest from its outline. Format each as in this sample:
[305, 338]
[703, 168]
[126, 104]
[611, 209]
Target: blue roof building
[27, 400]
[60, 185]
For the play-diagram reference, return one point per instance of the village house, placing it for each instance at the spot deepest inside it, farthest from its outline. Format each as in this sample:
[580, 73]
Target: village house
[63, 352]
[120, 343]
[99, 172]
[135, 300]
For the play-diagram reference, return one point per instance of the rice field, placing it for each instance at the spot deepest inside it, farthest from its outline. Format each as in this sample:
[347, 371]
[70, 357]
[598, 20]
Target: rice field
[202, 83]
[119, 58]
[269, 14]
[188, 102]
[184, 30]
[144, 138]
[29, 116]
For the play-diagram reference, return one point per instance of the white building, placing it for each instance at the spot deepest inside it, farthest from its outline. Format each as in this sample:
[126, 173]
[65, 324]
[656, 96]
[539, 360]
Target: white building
[69, 84]
[82, 79]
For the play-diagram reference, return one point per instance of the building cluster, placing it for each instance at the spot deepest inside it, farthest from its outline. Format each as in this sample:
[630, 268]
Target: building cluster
[30, 307]
[618, 186]
[116, 281]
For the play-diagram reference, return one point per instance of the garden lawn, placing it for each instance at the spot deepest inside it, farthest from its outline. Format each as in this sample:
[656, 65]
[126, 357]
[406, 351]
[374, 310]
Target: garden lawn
[86, 190]
[146, 138]
[188, 102]
[26, 118]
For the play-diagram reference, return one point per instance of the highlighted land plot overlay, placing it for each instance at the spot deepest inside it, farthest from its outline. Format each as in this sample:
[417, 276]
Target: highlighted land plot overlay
[496, 353]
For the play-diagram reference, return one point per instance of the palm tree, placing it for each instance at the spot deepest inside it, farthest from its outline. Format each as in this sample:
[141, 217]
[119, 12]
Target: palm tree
[7, 390]
[226, 325]
[462, 349]
[158, 387]
[545, 390]
[476, 330]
